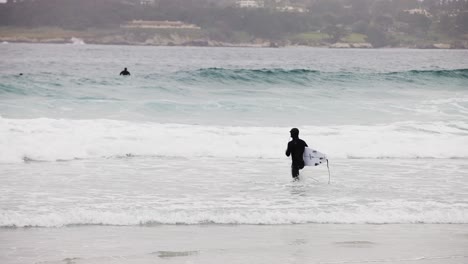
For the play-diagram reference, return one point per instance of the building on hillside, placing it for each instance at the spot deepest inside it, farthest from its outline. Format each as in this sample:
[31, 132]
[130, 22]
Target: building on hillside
[287, 6]
[250, 3]
[148, 24]
[148, 2]
[418, 11]
[292, 9]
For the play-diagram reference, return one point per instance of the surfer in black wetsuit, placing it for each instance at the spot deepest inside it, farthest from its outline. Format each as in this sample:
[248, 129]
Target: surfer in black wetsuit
[125, 72]
[296, 149]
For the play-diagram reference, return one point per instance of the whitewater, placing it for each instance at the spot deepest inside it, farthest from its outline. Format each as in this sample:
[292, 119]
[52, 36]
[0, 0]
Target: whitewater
[197, 136]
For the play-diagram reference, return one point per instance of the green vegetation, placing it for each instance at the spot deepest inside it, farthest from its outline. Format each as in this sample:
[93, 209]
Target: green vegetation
[47, 33]
[383, 23]
[309, 38]
[100, 36]
[355, 38]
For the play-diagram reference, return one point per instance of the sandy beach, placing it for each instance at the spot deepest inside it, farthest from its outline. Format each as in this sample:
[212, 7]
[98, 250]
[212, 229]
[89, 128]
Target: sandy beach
[308, 243]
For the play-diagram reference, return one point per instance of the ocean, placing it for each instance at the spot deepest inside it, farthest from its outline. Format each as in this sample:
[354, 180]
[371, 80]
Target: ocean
[193, 143]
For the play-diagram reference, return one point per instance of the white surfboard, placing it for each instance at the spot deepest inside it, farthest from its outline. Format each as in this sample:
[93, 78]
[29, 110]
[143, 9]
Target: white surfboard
[313, 158]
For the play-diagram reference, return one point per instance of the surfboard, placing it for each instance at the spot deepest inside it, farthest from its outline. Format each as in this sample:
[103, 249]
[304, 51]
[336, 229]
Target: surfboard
[313, 158]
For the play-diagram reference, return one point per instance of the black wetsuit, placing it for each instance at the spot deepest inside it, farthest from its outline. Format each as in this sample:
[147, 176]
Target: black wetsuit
[125, 72]
[296, 150]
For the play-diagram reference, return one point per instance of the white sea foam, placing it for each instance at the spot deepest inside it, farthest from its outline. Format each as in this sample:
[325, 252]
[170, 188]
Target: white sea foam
[61, 139]
[191, 216]
[231, 190]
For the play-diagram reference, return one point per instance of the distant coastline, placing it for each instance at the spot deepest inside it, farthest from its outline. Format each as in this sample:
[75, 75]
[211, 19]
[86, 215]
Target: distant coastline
[46, 35]
[231, 23]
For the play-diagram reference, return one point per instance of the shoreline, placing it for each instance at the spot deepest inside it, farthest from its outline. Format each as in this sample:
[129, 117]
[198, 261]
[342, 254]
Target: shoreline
[220, 225]
[6, 42]
[308, 243]
[181, 38]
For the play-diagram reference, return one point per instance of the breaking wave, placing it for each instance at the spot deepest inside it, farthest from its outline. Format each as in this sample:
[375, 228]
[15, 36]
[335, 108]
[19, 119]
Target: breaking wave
[45, 139]
[250, 216]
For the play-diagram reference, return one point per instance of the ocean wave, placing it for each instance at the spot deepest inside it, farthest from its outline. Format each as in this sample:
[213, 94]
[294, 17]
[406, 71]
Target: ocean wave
[305, 76]
[189, 82]
[275, 216]
[45, 139]
[455, 73]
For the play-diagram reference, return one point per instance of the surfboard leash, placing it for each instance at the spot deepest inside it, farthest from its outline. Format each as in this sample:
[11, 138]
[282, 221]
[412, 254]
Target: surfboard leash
[328, 173]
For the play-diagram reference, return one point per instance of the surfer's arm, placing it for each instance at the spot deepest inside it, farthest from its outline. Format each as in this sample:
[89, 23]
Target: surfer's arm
[288, 151]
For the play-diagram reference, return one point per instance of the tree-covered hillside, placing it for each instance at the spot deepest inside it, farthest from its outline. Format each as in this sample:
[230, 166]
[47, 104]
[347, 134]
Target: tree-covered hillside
[305, 22]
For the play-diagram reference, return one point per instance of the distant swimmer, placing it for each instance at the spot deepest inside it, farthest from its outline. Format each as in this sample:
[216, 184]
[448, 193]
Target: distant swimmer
[125, 72]
[296, 149]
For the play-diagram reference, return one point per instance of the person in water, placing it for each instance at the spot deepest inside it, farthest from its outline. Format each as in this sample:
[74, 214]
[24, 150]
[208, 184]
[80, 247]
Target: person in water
[296, 150]
[125, 72]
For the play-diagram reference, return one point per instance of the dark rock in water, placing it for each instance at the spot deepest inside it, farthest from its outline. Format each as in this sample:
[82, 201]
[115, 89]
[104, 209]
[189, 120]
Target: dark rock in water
[27, 159]
[70, 260]
[171, 254]
[355, 244]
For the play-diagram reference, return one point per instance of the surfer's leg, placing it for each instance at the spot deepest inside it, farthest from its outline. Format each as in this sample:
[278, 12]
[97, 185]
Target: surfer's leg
[295, 171]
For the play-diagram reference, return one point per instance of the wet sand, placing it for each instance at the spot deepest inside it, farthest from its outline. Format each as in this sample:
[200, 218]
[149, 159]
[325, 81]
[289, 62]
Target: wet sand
[306, 243]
